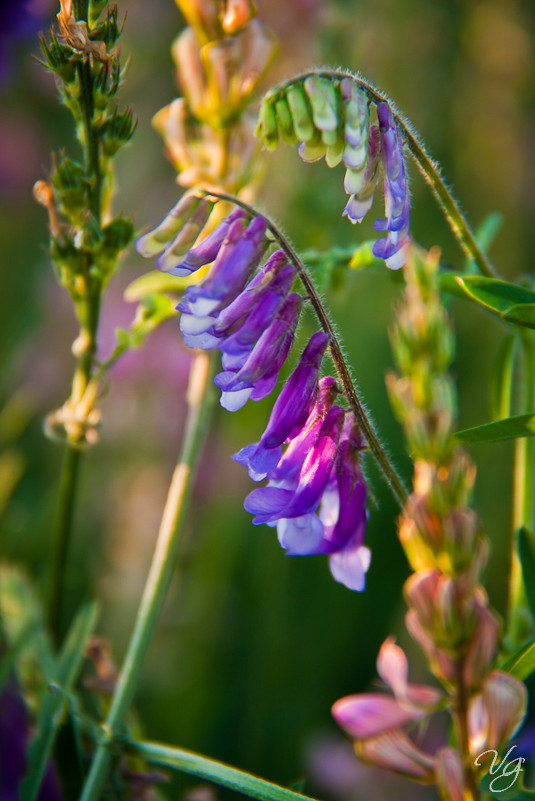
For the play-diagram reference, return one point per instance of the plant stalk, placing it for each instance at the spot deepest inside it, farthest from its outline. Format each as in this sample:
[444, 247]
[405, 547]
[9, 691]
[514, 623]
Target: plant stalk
[519, 622]
[161, 570]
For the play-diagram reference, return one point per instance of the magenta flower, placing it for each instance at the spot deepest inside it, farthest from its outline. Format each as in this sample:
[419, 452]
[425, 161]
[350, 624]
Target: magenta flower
[316, 494]
[257, 375]
[375, 721]
[289, 414]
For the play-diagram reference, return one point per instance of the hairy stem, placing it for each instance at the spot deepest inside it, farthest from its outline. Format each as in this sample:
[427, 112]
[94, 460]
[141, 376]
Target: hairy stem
[211, 770]
[161, 570]
[430, 171]
[378, 452]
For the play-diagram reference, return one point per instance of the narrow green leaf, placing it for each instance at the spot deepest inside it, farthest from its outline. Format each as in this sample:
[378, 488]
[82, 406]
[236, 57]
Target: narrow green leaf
[521, 315]
[502, 378]
[523, 425]
[53, 704]
[212, 770]
[511, 302]
[485, 236]
[526, 552]
[522, 663]
[152, 282]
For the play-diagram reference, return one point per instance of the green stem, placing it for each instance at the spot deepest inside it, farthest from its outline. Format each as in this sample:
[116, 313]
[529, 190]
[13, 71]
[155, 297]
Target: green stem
[212, 770]
[88, 315]
[430, 171]
[519, 621]
[87, 310]
[160, 573]
[61, 536]
[378, 452]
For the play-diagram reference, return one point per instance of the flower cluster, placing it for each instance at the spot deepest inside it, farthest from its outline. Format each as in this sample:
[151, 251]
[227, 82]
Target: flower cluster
[245, 307]
[376, 722]
[449, 614]
[220, 58]
[330, 116]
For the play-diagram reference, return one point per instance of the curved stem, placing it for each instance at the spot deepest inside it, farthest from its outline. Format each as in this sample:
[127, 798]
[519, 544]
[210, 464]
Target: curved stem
[519, 620]
[211, 770]
[380, 455]
[429, 169]
[160, 573]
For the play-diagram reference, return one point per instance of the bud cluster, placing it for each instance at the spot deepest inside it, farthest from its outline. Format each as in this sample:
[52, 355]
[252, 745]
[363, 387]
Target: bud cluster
[85, 239]
[220, 58]
[331, 116]
[449, 614]
[245, 307]
[88, 73]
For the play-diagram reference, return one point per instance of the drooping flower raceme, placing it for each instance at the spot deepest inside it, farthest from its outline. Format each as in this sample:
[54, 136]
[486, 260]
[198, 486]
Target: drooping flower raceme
[329, 116]
[310, 451]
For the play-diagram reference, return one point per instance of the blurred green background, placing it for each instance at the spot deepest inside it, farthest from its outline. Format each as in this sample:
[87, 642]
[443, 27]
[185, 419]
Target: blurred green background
[254, 647]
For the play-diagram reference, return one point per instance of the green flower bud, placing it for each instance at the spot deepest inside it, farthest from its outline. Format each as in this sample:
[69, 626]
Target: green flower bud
[323, 98]
[284, 119]
[301, 113]
[267, 124]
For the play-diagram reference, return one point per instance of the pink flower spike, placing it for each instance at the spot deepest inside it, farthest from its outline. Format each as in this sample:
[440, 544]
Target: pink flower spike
[497, 712]
[369, 715]
[393, 668]
[482, 649]
[395, 751]
[450, 775]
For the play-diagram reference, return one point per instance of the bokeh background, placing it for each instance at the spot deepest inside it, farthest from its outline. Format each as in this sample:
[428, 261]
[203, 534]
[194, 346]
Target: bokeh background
[253, 647]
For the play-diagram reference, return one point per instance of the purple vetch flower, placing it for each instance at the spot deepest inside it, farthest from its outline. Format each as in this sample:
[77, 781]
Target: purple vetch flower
[174, 261]
[237, 257]
[256, 372]
[361, 194]
[290, 411]
[393, 248]
[208, 331]
[316, 494]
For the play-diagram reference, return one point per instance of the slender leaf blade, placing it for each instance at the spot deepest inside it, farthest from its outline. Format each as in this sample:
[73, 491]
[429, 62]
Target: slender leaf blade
[522, 425]
[522, 663]
[153, 282]
[526, 552]
[65, 673]
[502, 378]
[511, 302]
[212, 770]
[521, 314]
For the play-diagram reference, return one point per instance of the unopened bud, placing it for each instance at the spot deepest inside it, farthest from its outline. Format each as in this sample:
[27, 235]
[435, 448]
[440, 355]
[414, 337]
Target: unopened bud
[156, 240]
[450, 776]
[236, 14]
